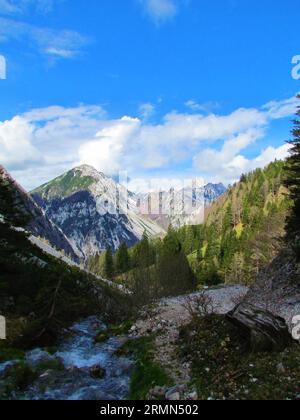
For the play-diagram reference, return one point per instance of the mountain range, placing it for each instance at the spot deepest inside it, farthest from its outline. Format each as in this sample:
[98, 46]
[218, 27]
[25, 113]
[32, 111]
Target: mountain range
[93, 211]
[84, 212]
[96, 213]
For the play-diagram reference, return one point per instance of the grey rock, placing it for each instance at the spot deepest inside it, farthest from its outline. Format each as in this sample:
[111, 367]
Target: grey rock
[263, 330]
[173, 396]
[193, 396]
[97, 372]
[174, 393]
[158, 392]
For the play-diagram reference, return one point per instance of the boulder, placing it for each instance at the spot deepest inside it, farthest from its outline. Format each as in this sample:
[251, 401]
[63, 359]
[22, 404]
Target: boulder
[157, 392]
[263, 330]
[173, 397]
[97, 372]
[175, 393]
[193, 396]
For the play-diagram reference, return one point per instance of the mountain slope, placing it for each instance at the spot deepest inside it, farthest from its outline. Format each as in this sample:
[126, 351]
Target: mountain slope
[37, 222]
[242, 231]
[180, 207]
[40, 294]
[93, 211]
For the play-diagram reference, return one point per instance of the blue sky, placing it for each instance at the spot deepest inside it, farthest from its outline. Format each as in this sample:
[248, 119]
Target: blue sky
[160, 88]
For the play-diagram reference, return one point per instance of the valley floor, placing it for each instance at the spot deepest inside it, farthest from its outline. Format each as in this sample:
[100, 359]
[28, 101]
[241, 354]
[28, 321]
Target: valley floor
[207, 359]
[167, 319]
[166, 355]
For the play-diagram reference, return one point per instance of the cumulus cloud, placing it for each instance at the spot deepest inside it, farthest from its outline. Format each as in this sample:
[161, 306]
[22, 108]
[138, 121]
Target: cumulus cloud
[215, 146]
[229, 163]
[160, 10]
[226, 160]
[108, 151]
[16, 147]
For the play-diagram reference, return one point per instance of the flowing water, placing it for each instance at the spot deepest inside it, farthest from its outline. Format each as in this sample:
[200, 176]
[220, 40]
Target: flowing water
[79, 353]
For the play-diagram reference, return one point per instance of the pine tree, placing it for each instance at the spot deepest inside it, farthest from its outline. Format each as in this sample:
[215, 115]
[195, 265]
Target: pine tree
[144, 254]
[123, 259]
[293, 182]
[173, 269]
[109, 264]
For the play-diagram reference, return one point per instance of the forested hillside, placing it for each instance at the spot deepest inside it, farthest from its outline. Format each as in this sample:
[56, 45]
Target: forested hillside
[242, 233]
[243, 230]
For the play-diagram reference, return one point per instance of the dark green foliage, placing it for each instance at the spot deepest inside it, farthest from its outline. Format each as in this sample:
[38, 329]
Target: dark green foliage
[161, 269]
[173, 271]
[293, 183]
[109, 268]
[8, 354]
[147, 373]
[242, 232]
[241, 235]
[65, 185]
[122, 259]
[223, 367]
[47, 293]
[18, 378]
[143, 253]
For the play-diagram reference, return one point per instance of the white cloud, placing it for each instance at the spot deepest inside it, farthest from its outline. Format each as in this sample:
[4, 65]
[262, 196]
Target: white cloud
[146, 110]
[53, 43]
[16, 147]
[58, 112]
[216, 146]
[22, 6]
[216, 161]
[193, 105]
[108, 151]
[160, 10]
[228, 163]
[197, 107]
[281, 109]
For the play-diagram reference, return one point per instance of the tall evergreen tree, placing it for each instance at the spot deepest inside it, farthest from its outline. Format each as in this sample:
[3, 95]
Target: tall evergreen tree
[109, 269]
[123, 259]
[144, 254]
[173, 269]
[293, 182]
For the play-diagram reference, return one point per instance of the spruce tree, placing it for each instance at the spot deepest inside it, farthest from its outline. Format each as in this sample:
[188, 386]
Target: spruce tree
[109, 264]
[173, 270]
[123, 259]
[293, 182]
[144, 254]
